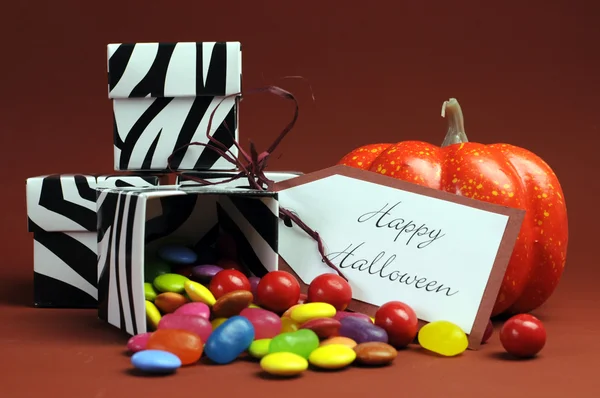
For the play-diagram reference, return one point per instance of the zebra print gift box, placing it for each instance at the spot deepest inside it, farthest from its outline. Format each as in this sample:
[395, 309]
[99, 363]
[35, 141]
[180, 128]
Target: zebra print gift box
[134, 222]
[163, 97]
[61, 212]
[275, 176]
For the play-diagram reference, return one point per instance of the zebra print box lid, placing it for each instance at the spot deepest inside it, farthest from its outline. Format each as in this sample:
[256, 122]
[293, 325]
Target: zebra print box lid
[217, 176]
[67, 202]
[186, 69]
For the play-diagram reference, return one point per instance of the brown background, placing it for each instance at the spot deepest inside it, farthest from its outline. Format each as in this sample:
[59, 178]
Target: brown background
[524, 72]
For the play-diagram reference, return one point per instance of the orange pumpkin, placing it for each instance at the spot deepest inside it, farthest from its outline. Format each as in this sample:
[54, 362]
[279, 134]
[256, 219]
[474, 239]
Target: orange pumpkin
[503, 174]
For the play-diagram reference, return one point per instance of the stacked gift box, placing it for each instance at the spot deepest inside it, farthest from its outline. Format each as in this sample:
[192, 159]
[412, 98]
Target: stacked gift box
[94, 234]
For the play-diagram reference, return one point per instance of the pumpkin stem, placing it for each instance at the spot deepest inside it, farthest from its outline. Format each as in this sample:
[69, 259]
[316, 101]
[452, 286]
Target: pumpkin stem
[456, 123]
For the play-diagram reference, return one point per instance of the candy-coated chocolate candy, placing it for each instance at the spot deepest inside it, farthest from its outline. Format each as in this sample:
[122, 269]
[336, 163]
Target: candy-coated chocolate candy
[301, 342]
[152, 315]
[217, 322]
[266, 324]
[254, 281]
[283, 364]
[228, 280]
[259, 348]
[252, 305]
[155, 267]
[288, 312]
[489, 330]
[186, 345]
[360, 331]
[195, 308]
[331, 289]
[523, 336]
[277, 291]
[170, 283]
[229, 340]
[199, 293]
[444, 338]
[339, 340]
[332, 356]
[375, 353]
[308, 311]
[192, 323]
[138, 342]
[303, 298]
[149, 291]
[156, 361]
[343, 314]
[288, 325]
[176, 254]
[323, 327]
[231, 303]
[400, 322]
[168, 302]
[204, 273]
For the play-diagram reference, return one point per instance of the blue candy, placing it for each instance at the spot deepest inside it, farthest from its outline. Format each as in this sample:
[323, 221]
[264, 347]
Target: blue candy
[176, 254]
[229, 340]
[155, 361]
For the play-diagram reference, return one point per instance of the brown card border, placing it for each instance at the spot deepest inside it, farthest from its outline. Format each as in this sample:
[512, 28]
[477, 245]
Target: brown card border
[515, 219]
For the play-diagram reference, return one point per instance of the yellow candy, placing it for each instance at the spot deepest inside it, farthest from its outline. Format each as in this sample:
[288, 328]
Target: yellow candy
[252, 305]
[372, 319]
[283, 364]
[288, 325]
[198, 292]
[340, 341]
[332, 356]
[306, 312]
[259, 348]
[152, 315]
[444, 338]
[215, 323]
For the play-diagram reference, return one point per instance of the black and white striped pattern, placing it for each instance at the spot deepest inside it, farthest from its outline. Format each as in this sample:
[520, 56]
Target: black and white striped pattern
[62, 217]
[134, 223]
[215, 176]
[163, 95]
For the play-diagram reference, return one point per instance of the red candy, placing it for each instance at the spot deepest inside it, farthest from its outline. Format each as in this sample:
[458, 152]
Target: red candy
[323, 327]
[302, 299]
[277, 291]
[400, 322]
[523, 336]
[266, 324]
[331, 289]
[186, 345]
[227, 281]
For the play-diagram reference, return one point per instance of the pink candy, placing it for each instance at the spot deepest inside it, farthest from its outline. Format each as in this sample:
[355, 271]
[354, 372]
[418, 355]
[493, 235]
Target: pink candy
[138, 342]
[192, 323]
[266, 324]
[196, 308]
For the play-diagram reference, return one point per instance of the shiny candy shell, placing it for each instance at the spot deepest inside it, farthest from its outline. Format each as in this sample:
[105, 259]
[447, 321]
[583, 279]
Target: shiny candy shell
[199, 293]
[204, 273]
[192, 323]
[177, 254]
[149, 291]
[332, 356]
[283, 364]
[323, 327]
[229, 340]
[155, 361]
[152, 315]
[217, 322]
[170, 283]
[444, 338]
[232, 303]
[308, 311]
[362, 331]
[301, 342]
[195, 308]
[375, 353]
[266, 324]
[186, 345]
[168, 302]
[138, 342]
[259, 348]
[339, 340]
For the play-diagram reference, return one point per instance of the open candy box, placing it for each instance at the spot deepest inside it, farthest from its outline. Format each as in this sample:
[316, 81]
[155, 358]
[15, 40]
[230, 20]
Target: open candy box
[134, 223]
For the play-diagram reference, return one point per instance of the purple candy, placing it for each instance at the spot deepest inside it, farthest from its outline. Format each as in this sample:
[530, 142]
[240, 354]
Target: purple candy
[344, 314]
[254, 280]
[138, 342]
[192, 323]
[360, 331]
[195, 308]
[204, 273]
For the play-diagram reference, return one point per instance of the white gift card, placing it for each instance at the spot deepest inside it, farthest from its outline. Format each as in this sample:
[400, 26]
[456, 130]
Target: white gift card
[444, 255]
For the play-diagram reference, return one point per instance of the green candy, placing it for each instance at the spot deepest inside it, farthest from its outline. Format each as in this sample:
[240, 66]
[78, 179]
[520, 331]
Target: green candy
[259, 348]
[301, 342]
[170, 283]
[149, 292]
[154, 268]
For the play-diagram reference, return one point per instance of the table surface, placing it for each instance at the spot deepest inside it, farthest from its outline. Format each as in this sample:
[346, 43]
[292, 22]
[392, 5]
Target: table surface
[70, 353]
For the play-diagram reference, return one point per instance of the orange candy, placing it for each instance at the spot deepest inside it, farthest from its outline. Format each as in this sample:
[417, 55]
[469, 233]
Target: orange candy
[168, 302]
[186, 345]
[288, 325]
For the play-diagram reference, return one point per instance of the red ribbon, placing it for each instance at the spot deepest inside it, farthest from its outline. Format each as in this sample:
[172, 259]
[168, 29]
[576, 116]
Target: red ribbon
[253, 165]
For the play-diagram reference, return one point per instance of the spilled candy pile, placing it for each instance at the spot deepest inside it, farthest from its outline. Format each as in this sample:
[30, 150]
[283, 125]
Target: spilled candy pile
[198, 304]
